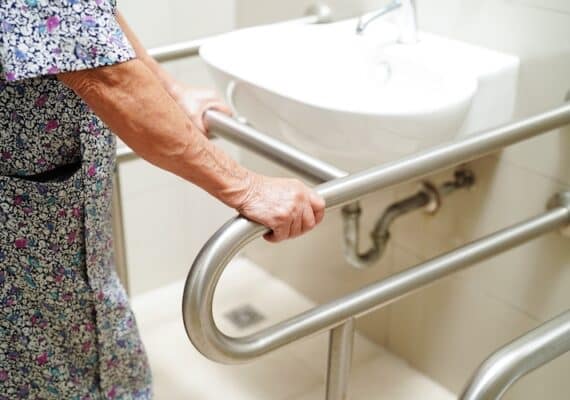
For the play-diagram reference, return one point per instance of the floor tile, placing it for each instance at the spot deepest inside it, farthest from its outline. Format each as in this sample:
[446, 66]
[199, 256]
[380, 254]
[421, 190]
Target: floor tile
[296, 371]
[386, 378]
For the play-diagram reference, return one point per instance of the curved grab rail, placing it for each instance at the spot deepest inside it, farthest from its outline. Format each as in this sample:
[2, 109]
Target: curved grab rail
[202, 280]
[517, 359]
[238, 232]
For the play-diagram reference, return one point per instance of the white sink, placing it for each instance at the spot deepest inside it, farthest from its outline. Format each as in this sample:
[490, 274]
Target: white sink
[361, 100]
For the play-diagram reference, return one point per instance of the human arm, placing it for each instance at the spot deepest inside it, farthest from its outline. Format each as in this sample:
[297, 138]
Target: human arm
[133, 102]
[194, 101]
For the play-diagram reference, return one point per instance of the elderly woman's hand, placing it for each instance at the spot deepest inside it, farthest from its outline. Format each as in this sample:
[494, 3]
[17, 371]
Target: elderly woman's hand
[286, 206]
[195, 102]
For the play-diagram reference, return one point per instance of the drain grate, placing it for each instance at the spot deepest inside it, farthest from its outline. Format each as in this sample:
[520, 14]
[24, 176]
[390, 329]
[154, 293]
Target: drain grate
[244, 316]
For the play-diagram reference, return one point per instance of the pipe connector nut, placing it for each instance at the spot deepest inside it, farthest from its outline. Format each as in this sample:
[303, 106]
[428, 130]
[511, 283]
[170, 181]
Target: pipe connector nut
[562, 199]
[434, 204]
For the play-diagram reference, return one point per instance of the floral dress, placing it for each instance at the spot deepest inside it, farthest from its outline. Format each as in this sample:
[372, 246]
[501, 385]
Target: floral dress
[66, 328]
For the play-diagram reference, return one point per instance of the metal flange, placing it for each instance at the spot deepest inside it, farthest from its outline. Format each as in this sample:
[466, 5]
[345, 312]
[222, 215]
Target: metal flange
[561, 199]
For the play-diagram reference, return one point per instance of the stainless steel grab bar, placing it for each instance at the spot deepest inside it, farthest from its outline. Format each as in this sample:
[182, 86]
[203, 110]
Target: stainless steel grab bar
[517, 359]
[216, 254]
[237, 233]
[273, 149]
[316, 14]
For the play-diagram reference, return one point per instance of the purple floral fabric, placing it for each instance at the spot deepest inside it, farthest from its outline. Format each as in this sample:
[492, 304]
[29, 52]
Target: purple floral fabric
[41, 37]
[66, 328]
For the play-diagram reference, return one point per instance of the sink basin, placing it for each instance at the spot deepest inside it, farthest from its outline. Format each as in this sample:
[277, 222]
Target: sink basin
[359, 100]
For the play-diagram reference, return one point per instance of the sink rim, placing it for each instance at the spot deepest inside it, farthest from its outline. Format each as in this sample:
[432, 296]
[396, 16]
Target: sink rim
[210, 53]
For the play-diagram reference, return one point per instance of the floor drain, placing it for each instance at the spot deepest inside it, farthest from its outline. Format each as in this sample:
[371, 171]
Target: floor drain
[244, 317]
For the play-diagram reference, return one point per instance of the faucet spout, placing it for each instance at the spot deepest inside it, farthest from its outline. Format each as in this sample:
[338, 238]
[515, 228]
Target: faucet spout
[363, 22]
[407, 20]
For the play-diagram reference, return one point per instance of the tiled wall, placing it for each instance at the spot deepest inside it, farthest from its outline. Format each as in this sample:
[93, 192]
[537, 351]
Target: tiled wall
[448, 329]
[166, 219]
[464, 318]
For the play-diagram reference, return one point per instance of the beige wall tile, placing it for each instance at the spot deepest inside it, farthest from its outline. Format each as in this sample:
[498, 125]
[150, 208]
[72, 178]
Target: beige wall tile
[461, 328]
[252, 12]
[406, 316]
[536, 34]
[549, 382]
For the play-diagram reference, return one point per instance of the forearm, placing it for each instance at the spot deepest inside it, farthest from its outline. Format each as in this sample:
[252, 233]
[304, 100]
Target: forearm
[134, 104]
[167, 80]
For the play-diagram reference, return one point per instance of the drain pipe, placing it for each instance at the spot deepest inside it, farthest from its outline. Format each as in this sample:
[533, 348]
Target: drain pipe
[429, 198]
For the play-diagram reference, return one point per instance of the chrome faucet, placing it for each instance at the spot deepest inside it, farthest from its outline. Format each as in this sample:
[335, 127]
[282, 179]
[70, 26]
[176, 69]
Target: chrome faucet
[407, 20]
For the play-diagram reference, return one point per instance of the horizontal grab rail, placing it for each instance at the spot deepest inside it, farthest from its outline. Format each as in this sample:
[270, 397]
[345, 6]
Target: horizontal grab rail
[316, 14]
[272, 149]
[238, 232]
[517, 359]
[177, 51]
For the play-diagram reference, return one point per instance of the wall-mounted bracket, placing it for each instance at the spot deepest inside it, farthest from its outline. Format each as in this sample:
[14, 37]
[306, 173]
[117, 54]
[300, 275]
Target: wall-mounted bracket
[320, 10]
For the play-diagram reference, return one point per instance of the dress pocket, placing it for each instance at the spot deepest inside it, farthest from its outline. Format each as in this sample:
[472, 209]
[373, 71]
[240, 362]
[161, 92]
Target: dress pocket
[64, 188]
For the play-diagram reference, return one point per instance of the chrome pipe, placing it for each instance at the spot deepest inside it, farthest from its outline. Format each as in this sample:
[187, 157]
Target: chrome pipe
[223, 246]
[341, 344]
[380, 235]
[517, 359]
[429, 198]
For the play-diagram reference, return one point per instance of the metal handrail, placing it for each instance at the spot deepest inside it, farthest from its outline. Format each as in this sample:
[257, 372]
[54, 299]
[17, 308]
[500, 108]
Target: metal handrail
[238, 232]
[517, 359]
[266, 146]
[316, 14]
[216, 254]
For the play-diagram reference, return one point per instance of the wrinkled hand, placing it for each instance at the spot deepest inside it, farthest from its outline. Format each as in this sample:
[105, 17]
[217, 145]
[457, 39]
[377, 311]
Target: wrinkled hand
[195, 102]
[286, 206]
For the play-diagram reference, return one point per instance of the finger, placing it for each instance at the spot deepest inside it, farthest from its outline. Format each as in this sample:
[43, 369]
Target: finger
[319, 215]
[309, 219]
[270, 237]
[219, 105]
[296, 226]
[281, 232]
[317, 201]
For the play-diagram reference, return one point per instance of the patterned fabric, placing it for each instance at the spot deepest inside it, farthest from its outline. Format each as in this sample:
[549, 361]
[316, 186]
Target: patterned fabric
[66, 328]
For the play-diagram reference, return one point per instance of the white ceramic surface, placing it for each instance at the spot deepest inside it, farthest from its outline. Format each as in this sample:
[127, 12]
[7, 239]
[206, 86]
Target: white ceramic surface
[361, 99]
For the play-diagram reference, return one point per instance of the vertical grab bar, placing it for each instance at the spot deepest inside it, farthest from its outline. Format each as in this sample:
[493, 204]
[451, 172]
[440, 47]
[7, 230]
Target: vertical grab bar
[341, 343]
[517, 359]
